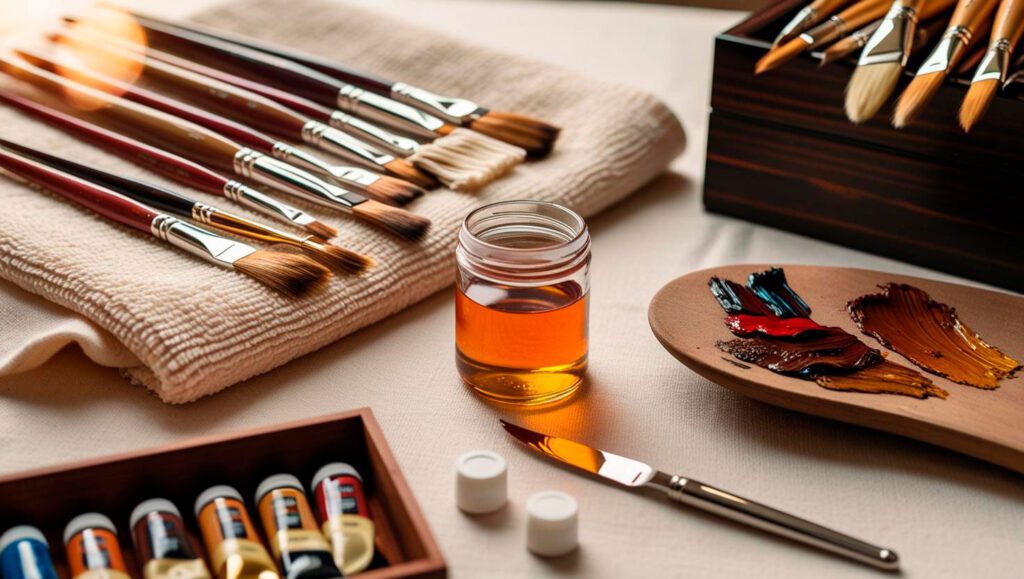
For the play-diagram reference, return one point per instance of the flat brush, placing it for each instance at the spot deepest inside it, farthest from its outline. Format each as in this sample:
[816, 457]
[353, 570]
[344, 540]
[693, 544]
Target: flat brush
[173, 167]
[287, 272]
[380, 187]
[535, 136]
[970, 18]
[254, 110]
[854, 17]
[807, 17]
[306, 82]
[209, 148]
[173, 203]
[885, 56]
[995, 65]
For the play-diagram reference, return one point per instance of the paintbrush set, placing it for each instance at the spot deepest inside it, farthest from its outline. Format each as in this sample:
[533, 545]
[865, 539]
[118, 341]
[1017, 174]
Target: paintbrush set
[238, 119]
[886, 34]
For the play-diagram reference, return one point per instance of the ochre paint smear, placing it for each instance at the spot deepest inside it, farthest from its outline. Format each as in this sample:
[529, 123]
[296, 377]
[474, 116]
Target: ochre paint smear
[930, 334]
[771, 325]
[884, 378]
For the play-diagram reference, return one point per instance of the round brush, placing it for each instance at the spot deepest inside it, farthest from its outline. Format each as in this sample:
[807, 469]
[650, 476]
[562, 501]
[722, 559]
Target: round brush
[995, 65]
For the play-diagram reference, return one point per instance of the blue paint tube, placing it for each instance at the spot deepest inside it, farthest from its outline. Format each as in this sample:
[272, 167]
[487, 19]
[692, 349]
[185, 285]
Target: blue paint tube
[24, 554]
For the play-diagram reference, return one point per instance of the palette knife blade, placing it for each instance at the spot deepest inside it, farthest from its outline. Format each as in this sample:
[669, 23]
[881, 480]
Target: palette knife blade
[633, 473]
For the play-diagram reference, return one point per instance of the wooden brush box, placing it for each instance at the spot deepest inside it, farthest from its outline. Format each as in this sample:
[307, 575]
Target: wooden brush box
[48, 498]
[781, 152]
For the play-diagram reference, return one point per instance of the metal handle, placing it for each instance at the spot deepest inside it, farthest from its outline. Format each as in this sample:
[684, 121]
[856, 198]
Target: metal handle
[457, 111]
[284, 177]
[344, 145]
[390, 112]
[719, 502]
[345, 175]
[265, 204]
[394, 144]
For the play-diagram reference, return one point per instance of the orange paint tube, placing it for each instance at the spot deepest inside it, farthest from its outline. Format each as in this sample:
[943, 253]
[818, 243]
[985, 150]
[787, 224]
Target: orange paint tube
[342, 510]
[292, 531]
[234, 549]
[93, 550]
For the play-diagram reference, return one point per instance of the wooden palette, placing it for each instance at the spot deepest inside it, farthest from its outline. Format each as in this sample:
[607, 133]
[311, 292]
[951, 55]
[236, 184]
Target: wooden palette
[985, 424]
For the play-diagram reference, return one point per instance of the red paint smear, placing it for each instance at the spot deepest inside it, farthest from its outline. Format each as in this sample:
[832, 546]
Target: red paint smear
[770, 325]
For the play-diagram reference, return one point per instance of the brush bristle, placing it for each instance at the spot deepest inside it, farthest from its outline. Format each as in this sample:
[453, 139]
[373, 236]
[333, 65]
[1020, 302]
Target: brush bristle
[398, 221]
[393, 191]
[535, 136]
[869, 88]
[338, 258]
[285, 271]
[321, 229]
[917, 96]
[407, 171]
[978, 98]
[779, 55]
[466, 160]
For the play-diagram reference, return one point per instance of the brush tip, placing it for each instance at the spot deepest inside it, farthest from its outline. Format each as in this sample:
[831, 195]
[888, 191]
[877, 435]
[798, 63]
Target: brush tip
[977, 101]
[321, 229]
[916, 97]
[536, 137]
[869, 87]
[398, 221]
[406, 171]
[337, 257]
[393, 191]
[283, 270]
[779, 55]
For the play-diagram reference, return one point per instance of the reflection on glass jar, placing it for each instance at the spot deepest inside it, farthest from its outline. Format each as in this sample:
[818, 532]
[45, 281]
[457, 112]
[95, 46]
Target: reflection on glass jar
[521, 301]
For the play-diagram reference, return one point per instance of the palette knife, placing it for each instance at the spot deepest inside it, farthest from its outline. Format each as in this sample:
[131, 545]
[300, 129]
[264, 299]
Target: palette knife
[633, 473]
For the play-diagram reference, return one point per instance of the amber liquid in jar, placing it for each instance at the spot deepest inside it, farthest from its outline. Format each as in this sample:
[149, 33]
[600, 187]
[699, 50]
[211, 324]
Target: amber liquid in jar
[521, 303]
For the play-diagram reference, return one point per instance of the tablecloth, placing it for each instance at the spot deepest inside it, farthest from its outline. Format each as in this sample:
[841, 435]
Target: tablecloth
[947, 515]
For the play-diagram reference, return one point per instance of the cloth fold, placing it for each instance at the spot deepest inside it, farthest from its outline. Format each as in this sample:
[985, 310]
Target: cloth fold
[185, 329]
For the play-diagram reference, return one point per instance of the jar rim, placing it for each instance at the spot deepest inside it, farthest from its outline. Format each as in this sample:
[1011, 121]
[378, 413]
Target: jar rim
[578, 224]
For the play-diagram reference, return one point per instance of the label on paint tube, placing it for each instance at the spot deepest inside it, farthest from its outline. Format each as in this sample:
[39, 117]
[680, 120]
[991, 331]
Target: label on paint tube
[163, 547]
[234, 548]
[294, 537]
[95, 554]
[26, 559]
[342, 507]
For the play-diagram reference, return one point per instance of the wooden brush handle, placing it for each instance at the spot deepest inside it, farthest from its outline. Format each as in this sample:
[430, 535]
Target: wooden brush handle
[1009, 22]
[864, 12]
[187, 139]
[153, 195]
[167, 164]
[972, 14]
[279, 72]
[333, 69]
[99, 199]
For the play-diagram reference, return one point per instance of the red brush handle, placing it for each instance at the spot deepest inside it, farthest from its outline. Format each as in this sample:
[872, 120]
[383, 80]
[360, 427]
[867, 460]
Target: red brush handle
[167, 164]
[99, 199]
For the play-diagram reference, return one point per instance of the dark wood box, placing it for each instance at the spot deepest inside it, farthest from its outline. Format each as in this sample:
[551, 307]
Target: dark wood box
[48, 498]
[781, 152]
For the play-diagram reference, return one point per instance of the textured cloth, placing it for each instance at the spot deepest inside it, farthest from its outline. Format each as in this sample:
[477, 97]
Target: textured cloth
[196, 329]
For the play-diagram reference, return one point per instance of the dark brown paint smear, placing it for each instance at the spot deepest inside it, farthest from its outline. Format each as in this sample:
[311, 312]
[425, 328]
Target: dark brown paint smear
[834, 351]
[930, 334]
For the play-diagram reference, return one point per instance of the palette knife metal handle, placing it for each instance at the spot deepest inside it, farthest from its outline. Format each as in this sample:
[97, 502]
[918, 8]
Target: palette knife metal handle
[728, 505]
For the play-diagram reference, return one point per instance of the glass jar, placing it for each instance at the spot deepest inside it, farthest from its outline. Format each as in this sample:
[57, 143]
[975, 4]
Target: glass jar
[521, 301]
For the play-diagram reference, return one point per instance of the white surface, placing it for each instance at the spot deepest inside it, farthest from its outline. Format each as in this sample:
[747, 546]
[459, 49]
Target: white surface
[552, 523]
[481, 482]
[947, 515]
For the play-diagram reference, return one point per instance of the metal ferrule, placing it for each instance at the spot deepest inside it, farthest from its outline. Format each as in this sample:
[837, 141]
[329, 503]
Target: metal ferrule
[203, 213]
[385, 139]
[349, 176]
[996, 62]
[197, 241]
[949, 49]
[269, 171]
[893, 39]
[802, 21]
[830, 29]
[344, 145]
[245, 195]
[389, 112]
[454, 110]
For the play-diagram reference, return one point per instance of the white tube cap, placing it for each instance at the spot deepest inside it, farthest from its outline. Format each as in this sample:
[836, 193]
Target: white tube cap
[481, 484]
[87, 521]
[20, 533]
[152, 506]
[216, 492]
[277, 481]
[552, 522]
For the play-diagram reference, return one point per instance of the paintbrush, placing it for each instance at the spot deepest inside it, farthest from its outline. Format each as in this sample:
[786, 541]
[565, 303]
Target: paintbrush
[174, 167]
[885, 56]
[847, 46]
[251, 109]
[380, 187]
[288, 272]
[209, 148]
[860, 14]
[309, 83]
[994, 67]
[535, 136]
[971, 18]
[807, 17]
[163, 199]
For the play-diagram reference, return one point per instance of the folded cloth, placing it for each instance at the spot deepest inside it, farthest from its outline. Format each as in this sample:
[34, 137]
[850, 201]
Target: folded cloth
[191, 329]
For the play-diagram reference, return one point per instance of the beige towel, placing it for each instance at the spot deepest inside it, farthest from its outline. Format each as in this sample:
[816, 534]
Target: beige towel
[196, 329]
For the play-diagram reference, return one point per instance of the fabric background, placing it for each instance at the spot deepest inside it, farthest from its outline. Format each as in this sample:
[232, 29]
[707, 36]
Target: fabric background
[196, 329]
[948, 516]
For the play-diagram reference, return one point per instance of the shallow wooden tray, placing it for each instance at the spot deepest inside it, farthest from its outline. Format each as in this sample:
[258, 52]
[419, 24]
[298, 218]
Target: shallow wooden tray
[986, 424]
[48, 498]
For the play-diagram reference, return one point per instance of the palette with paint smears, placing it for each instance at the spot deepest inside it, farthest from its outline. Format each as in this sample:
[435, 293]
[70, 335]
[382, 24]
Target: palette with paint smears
[983, 422]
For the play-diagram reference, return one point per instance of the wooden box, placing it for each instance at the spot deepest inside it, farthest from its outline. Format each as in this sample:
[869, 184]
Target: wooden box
[781, 152]
[48, 498]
